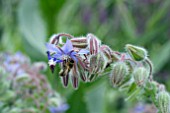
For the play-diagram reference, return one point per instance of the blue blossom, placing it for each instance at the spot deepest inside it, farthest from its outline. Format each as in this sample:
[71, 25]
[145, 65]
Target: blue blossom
[139, 108]
[14, 63]
[60, 53]
[60, 109]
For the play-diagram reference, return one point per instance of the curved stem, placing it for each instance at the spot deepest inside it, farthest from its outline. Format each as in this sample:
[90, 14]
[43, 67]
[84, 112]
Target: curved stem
[56, 38]
[151, 68]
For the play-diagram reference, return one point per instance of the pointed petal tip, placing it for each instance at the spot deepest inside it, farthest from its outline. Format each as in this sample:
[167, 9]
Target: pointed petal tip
[83, 51]
[68, 47]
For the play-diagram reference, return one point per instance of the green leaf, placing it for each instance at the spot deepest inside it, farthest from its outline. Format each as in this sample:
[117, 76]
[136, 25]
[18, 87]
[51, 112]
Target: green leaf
[49, 11]
[164, 55]
[158, 15]
[76, 102]
[31, 24]
[95, 98]
[148, 36]
[127, 20]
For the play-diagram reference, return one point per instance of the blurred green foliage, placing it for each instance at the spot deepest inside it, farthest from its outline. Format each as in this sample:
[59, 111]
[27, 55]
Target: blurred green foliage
[26, 25]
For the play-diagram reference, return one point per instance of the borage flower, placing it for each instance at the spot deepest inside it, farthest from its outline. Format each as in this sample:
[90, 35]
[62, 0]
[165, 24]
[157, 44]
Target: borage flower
[63, 53]
[67, 56]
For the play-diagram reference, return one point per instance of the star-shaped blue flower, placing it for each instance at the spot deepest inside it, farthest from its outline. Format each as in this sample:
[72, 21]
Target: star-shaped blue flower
[67, 49]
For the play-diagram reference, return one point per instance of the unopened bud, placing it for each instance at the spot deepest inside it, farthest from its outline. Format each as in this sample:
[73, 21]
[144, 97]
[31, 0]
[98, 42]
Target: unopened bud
[118, 73]
[82, 72]
[164, 102]
[136, 53]
[109, 53]
[93, 43]
[97, 65]
[154, 86]
[79, 42]
[140, 75]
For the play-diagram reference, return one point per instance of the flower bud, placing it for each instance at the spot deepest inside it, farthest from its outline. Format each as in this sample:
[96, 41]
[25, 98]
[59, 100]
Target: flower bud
[109, 53]
[118, 73]
[79, 42]
[154, 86]
[136, 53]
[140, 75]
[82, 72]
[94, 43]
[164, 102]
[97, 65]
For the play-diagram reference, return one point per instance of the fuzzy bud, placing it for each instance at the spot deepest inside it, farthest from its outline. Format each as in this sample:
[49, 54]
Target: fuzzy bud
[118, 73]
[109, 53]
[97, 65]
[94, 44]
[140, 75]
[164, 102]
[136, 53]
[79, 42]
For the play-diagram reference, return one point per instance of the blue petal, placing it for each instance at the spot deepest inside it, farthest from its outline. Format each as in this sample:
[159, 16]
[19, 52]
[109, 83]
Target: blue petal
[53, 48]
[83, 51]
[73, 53]
[57, 56]
[48, 55]
[59, 61]
[56, 60]
[67, 47]
[60, 109]
[74, 58]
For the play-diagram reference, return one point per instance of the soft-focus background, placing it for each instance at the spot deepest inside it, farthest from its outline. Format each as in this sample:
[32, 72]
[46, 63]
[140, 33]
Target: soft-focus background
[25, 25]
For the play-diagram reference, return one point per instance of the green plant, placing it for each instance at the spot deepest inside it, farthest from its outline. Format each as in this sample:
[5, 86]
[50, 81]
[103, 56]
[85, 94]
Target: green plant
[86, 58]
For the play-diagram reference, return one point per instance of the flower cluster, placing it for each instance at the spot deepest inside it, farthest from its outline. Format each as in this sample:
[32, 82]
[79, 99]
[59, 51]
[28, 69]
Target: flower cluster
[24, 89]
[87, 58]
[81, 57]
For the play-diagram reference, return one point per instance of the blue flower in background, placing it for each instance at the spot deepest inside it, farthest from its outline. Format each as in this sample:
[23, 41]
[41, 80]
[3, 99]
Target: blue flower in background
[13, 63]
[139, 108]
[65, 51]
[60, 109]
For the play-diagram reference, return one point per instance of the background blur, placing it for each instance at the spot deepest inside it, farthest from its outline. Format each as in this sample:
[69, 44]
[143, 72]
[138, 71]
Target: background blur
[25, 25]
